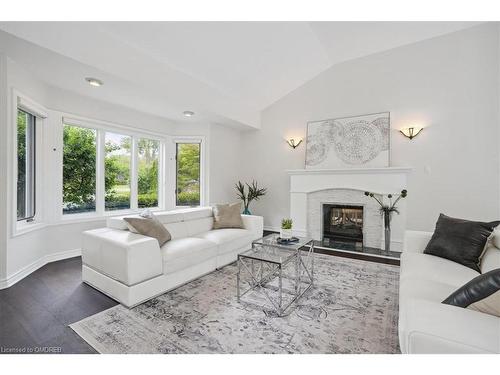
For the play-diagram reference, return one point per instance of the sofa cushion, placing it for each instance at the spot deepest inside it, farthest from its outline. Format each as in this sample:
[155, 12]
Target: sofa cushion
[182, 253]
[165, 217]
[198, 226]
[228, 239]
[196, 213]
[460, 240]
[433, 328]
[428, 290]
[429, 267]
[177, 230]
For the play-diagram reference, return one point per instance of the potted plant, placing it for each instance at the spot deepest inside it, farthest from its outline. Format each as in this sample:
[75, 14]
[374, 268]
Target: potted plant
[254, 193]
[286, 229]
[386, 210]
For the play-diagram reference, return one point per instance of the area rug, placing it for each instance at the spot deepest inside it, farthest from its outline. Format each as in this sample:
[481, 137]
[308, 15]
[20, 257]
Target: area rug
[352, 308]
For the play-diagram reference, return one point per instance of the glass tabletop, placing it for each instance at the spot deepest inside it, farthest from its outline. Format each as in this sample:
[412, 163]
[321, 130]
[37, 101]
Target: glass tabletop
[270, 254]
[269, 250]
[272, 240]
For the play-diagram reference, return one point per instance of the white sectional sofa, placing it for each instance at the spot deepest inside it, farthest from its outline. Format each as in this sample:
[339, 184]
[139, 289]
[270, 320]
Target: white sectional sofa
[132, 268]
[428, 326]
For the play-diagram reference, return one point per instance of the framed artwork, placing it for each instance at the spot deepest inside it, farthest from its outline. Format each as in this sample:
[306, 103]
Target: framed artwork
[349, 142]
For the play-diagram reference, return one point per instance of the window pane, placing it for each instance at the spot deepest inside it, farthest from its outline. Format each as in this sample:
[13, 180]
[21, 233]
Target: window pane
[148, 151]
[25, 165]
[188, 174]
[117, 171]
[79, 169]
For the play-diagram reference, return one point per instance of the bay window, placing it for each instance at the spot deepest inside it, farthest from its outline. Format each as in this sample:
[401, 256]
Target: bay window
[104, 169]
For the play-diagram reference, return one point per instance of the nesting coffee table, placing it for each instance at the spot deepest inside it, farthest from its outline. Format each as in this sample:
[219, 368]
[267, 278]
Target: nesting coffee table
[281, 273]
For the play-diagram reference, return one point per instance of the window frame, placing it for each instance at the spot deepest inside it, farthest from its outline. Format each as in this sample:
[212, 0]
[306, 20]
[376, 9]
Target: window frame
[80, 214]
[40, 114]
[101, 129]
[162, 165]
[30, 177]
[203, 156]
[133, 172]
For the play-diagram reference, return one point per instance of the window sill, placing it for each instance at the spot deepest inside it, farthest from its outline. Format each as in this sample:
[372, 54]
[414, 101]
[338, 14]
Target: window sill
[85, 217]
[79, 218]
[22, 228]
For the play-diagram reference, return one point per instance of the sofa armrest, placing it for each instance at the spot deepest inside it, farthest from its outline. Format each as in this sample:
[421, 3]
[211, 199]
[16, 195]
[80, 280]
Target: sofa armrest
[416, 241]
[124, 256]
[255, 224]
[433, 327]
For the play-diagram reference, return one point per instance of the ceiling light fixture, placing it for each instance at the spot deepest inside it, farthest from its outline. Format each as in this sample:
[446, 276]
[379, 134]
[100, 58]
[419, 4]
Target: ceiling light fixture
[188, 113]
[94, 81]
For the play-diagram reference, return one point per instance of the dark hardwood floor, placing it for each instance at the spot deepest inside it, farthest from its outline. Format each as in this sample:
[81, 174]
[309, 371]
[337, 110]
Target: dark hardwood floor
[35, 312]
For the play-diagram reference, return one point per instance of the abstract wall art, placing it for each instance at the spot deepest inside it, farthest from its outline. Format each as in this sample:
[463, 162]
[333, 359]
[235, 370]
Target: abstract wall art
[349, 142]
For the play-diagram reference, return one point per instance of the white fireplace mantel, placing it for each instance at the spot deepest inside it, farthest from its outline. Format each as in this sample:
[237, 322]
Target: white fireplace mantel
[390, 180]
[387, 170]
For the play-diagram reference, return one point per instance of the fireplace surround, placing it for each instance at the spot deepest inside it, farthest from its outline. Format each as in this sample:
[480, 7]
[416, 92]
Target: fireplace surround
[310, 189]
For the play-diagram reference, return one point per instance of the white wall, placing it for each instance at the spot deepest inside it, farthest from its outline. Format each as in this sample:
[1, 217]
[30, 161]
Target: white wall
[225, 163]
[22, 253]
[449, 84]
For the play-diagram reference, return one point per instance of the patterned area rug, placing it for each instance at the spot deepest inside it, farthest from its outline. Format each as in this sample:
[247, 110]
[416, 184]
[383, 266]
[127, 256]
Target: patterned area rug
[352, 308]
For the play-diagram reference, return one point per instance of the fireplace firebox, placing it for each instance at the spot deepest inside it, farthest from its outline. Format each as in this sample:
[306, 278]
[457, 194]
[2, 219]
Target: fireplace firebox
[343, 223]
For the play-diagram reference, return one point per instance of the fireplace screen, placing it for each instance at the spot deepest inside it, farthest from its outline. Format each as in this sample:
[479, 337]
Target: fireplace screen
[343, 223]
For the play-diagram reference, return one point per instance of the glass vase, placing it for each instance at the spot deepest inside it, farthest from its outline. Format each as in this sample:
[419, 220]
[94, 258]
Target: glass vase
[387, 230]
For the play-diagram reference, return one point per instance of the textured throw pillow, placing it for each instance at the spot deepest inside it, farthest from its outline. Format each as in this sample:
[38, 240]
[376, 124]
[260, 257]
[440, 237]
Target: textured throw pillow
[148, 226]
[146, 213]
[227, 216]
[482, 294]
[459, 240]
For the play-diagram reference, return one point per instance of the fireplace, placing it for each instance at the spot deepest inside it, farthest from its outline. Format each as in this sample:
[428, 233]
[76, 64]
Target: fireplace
[343, 224]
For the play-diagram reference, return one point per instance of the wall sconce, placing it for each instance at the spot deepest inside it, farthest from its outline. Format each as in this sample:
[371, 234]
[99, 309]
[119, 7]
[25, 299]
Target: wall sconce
[294, 143]
[411, 132]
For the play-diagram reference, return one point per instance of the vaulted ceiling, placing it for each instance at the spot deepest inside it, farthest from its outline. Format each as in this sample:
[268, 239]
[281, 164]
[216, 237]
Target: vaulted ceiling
[226, 72]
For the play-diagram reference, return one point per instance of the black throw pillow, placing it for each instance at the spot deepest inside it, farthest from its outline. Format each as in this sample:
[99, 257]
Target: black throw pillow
[482, 293]
[459, 240]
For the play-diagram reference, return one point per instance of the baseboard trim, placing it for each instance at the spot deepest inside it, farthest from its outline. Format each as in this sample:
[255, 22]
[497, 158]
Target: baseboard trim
[29, 269]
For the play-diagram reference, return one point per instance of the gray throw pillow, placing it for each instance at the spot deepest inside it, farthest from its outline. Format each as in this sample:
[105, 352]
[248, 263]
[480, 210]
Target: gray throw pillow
[482, 294]
[227, 216]
[149, 226]
[460, 240]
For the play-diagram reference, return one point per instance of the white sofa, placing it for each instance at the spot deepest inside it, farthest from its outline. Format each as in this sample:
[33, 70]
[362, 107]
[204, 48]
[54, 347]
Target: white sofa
[132, 268]
[428, 326]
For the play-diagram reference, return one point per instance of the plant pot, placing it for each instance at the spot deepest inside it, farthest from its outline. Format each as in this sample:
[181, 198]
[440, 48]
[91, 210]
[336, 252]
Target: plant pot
[286, 233]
